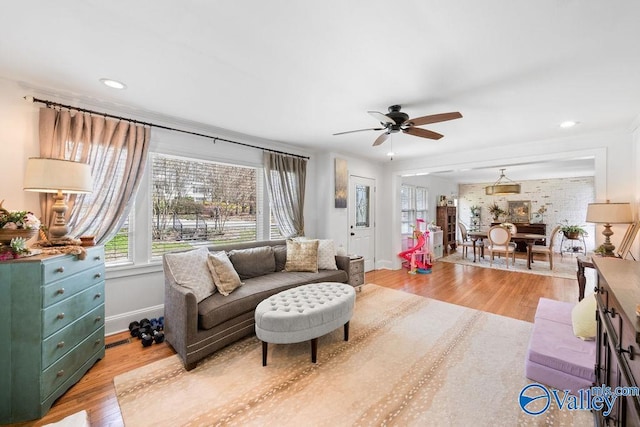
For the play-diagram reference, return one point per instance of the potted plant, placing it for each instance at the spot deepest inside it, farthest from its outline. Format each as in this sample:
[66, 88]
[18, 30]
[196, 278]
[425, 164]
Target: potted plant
[496, 211]
[572, 232]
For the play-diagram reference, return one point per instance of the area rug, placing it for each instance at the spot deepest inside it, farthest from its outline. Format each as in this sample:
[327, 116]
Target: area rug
[564, 267]
[410, 360]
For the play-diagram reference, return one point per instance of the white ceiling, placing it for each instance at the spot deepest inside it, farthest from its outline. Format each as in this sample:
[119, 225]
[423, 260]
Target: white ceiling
[299, 71]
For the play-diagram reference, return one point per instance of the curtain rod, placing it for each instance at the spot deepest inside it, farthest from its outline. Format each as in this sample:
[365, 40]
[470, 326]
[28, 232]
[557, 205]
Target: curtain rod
[215, 138]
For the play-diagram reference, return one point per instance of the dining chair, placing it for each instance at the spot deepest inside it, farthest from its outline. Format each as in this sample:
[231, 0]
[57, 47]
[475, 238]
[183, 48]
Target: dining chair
[546, 250]
[499, 238]
[466, 243]
[513, 229]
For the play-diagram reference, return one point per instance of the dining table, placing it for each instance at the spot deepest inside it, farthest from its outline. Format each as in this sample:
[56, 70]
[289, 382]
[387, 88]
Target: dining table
[529, 238]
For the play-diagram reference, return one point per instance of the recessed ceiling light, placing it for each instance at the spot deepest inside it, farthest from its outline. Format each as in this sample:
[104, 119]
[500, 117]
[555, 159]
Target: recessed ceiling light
[391, 153]
[568, 124]
[114, 84]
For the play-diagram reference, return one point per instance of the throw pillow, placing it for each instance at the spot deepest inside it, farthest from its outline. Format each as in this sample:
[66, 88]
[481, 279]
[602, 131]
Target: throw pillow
[280, 252]
[583, 318]
[190, 270]
[223, 273]
[253, 262]
[326, 255]
[302, 255]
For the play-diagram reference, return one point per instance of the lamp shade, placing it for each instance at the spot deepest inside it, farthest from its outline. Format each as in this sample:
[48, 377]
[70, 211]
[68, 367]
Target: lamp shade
[609, 213]
[54, 175]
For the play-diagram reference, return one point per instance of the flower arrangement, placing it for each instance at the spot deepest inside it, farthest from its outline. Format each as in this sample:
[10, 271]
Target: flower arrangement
[16, 227]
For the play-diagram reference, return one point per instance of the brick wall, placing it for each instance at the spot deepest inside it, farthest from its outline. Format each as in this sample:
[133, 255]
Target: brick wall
[564, 199]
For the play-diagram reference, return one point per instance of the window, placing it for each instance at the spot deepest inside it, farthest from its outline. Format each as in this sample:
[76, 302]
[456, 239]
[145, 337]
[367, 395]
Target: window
[117, 249]
[197, 202]
[413, 205]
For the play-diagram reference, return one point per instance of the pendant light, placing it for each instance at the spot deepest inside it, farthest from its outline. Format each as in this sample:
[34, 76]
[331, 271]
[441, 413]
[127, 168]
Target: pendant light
[501, 187]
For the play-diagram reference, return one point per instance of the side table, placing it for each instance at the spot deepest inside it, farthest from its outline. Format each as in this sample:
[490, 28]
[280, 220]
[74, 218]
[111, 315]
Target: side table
[583, 262]
[356, 272]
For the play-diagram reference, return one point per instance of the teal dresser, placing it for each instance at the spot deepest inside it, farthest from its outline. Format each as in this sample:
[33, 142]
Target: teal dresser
[51, 329]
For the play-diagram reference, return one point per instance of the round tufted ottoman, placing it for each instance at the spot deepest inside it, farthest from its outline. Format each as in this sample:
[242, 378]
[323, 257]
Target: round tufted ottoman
[304, 313]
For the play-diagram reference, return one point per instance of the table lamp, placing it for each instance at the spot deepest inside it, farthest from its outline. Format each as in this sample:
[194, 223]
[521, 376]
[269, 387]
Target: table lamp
[58, 176]
[607, 214]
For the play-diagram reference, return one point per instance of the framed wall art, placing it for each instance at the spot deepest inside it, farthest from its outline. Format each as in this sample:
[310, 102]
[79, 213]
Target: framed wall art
[519, 210]
[341, 183]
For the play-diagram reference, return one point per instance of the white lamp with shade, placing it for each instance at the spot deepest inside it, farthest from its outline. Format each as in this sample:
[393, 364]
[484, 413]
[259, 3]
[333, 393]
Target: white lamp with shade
[59, 177]
[607, 214]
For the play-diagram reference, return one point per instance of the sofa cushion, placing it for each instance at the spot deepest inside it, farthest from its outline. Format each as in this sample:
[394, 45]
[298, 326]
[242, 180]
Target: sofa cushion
[280, 252]
[583, 317]
[302, 255]
[218, 309]
[190, 270]
[224, 276]
[326, 255]
[253, 262]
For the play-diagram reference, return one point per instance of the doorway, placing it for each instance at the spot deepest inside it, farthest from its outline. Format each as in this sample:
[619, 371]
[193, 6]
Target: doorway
[362, 219]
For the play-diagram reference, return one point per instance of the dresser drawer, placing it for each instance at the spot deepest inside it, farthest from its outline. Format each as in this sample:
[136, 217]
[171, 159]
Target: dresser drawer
[58, 268]
[55, 375]
[356, 266]
[65, 312]
[356, 279]
[65, 288]
[60, 343]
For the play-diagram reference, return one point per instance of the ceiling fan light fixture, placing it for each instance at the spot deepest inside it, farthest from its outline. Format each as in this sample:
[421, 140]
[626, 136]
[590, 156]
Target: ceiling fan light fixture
[501, 188]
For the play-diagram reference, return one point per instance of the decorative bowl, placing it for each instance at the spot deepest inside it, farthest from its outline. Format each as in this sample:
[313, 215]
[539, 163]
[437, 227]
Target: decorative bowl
[6, 234]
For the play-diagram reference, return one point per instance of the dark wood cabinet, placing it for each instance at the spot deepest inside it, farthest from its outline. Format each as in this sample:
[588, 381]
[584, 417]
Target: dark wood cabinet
[446, 219]
[618, 336]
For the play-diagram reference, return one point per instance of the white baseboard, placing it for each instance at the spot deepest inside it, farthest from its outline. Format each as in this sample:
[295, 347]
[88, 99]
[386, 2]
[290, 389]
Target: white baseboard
[120, 322]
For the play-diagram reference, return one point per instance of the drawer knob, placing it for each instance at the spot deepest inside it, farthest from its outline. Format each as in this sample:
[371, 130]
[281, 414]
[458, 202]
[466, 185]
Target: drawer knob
[98, 275]
[60, 270]
[60, 373]
[60, 316]
[97, 258]
[627, 350]
[99, 318]
[60, 291]
[98, 295]
[61, 344]
[97, 342]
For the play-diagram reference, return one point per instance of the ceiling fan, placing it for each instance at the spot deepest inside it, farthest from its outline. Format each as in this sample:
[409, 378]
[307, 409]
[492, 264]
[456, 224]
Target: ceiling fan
[397, 121]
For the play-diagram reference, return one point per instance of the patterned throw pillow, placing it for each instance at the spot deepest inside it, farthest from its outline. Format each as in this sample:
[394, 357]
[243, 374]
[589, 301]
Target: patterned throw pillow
[302, 255]
[190, 270]
[224, 275]
[326, 255]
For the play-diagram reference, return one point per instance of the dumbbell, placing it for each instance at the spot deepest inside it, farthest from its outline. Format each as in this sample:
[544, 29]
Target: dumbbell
[134, 328]
[147, 339]
[158, 336]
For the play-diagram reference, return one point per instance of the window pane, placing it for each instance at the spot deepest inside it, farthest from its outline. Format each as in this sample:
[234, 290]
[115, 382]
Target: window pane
[117, 249]
[362, 205]
[199, 203]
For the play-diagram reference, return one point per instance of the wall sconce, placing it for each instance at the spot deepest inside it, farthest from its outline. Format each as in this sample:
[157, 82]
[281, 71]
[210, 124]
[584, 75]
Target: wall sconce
[607, 214]
[58, 176]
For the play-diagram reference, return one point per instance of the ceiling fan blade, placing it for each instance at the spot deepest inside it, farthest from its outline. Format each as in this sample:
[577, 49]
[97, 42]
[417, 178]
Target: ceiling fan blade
[382, 118]
[359, 130]
[424, 133]
[382, 138]
[434, 118]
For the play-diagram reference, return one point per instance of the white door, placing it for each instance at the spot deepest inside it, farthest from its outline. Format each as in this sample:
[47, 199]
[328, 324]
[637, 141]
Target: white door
[362, 219]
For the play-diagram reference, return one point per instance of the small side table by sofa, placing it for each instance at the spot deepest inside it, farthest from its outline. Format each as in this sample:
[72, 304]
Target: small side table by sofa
[583, 262]
[356, 272]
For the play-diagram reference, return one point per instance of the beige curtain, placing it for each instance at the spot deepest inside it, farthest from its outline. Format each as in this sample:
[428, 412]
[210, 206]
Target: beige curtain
[117, 152]
[286, 176]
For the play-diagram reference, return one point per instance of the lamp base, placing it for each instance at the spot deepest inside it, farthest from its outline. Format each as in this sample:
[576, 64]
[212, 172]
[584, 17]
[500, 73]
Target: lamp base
[59, 229]
[607, 245]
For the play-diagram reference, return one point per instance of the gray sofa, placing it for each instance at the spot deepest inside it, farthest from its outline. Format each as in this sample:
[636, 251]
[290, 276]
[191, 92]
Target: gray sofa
[195, 330]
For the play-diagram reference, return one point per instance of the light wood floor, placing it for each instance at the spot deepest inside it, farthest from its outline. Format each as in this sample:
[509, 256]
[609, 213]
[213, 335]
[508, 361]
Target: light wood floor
[506, 293]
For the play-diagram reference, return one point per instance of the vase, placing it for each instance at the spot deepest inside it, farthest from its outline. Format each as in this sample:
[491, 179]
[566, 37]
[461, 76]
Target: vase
[26, 233]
